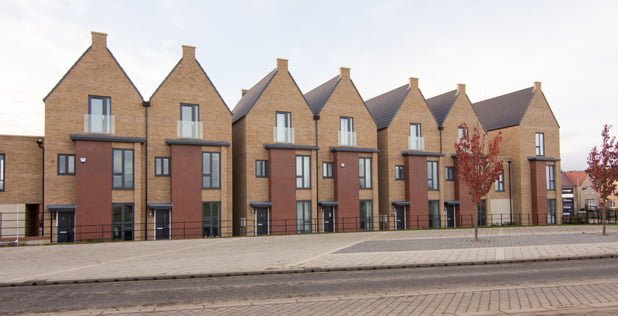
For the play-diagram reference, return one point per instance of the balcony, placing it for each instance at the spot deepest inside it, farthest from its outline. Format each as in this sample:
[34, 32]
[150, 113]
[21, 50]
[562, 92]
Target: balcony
[416, 143]
[100, 124]
[283, 135]
[189, 129]
[347, 138]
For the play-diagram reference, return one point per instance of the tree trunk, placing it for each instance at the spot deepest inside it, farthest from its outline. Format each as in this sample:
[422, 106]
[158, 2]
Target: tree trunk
[475, 218]
[604, 217]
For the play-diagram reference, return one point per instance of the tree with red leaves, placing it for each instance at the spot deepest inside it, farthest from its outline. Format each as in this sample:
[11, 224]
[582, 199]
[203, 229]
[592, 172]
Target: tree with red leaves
[478, 165]
[603, 169]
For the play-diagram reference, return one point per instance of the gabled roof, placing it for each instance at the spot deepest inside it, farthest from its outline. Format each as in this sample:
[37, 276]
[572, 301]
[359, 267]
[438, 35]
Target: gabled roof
[566, 181]
[247, 101]
[384, 107]
[577, 177]
[505, 110]
[318, 97]
[441, 105]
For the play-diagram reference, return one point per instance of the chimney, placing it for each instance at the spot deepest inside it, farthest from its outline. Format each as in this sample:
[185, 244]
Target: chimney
[188, 52]
[461, 88]
[243, 92]
[282, 64]
[99, 39]
[537, 86]
[412, 83]
[344, 73]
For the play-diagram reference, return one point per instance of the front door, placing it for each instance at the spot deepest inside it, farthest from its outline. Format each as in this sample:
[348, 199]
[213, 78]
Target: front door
[162, 224]
[261, 221]
[329, 219]
[400, 220]
[450, 216]
[66, 226]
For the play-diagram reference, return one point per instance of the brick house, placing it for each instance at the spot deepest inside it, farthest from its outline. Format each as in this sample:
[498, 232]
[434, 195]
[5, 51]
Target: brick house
[408, 139]
[532, 141]
[274, 150]
[347, 158]
[94, 141]
[189, 156]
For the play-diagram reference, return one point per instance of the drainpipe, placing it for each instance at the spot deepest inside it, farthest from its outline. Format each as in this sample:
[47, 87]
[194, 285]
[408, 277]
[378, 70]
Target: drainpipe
[440, 129]
[316, 118]
[146, 105]
[42, 216]
[510, 194]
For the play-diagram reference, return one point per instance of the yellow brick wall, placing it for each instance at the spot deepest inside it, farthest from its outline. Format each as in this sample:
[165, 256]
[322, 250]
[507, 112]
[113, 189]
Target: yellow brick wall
[23, 172]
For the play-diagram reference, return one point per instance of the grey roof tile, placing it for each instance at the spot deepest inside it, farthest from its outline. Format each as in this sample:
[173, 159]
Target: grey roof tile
[319, 95]
[248, 100]
[505, 110]
[384, 107]
[441, 105]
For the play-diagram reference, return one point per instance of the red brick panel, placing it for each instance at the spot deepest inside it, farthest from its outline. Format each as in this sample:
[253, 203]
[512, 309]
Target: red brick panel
[282, 190]
[93, 182]
[186, 182]
[346, 191]
[538, 192]
[416, 191]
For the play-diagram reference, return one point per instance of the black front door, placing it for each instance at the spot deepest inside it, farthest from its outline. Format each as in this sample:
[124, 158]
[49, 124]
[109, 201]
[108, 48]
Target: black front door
[400, 221]
[481, 214]
[162, 224]
[261, 221]
[450, 216]
[66, 226]
[329, 219]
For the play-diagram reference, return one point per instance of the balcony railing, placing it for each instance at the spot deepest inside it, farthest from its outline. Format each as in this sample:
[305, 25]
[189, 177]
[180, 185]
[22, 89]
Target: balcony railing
[283, 135]
[416, 143]
[100, 124]
[189, 129]
[347, 138]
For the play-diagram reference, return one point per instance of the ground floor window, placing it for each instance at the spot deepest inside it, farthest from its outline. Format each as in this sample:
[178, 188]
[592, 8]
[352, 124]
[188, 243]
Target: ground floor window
[434, 214]
[366, 215]
[551, 211]
[122, 221]
[303, 216]
[211, 212]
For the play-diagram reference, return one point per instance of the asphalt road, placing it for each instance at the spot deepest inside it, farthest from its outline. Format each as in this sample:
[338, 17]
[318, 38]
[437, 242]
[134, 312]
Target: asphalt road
[55, 298]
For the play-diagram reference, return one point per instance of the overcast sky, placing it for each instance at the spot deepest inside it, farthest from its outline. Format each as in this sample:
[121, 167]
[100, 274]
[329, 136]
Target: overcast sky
[495, 47]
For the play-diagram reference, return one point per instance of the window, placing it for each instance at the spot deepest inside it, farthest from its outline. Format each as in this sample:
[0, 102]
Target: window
[327, 169]
[591, 204]
[122, 221]
[551, 211]
[449, 174]
[364, 172]
[346, 124]
[416, 141]
[434, 214]
[539, 144]
[189, 113]
[162, 166]
[347, 137]
[284, 119]
[189, 124]
[283, 128]
[66, 164]
[366, 215]
[460, 132]
[550, 177]
[499, 185]
[210, 170]
[432, 175]
[210, 219]
[611, 204]
[303, 172]
[399, 173]
[261, 168]
[303, 217]
[99, 119]
[122, 169]
[2, 172]
[415, 130]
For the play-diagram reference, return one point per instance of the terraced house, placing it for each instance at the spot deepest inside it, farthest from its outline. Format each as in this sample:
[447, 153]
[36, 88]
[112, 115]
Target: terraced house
[347, 159]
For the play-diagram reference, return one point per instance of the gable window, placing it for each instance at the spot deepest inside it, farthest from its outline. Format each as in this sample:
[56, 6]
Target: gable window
[66, 164]
[99, 118]
[162, 166]
[416, 141]
[399, 173]
[550, 177]
[2, 172]
[122, 168]
[303, 217]
[499, 185]
[449, 174]
[327, 169]
[122, 221]
[364, 172]
[539, 144]
[432, 175]
[460, 132]
[189, 125]
[303, 172]
[261, 168]
[211, 170]
[347, 136]
[283, 131]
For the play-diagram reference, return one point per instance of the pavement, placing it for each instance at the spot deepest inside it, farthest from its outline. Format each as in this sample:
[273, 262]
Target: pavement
[135, 260]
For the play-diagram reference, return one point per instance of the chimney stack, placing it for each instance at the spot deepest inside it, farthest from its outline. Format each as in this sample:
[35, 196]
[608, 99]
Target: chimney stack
[188, 52]
[344, 73]
[282, 64]
[537, 86]
[461, 88]
[412, 83]
[243, 92]
[99, 39]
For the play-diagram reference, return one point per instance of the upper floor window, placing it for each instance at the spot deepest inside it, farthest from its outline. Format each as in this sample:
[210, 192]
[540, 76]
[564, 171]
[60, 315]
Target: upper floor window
[1, 172]
[416, 140]
[539, 144]
[303, 172]
[460, 132]
[499, 185]
[283, 131]
[162, 166]
[550, 177]
[66, 164]
[211, 170]
[99, 118]
[261, 168]
[449, 174]
[122, 169]
[399, 173]
[189, 125]
[364, 172]
[432, 175]
[327, 169]
[347, 136]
